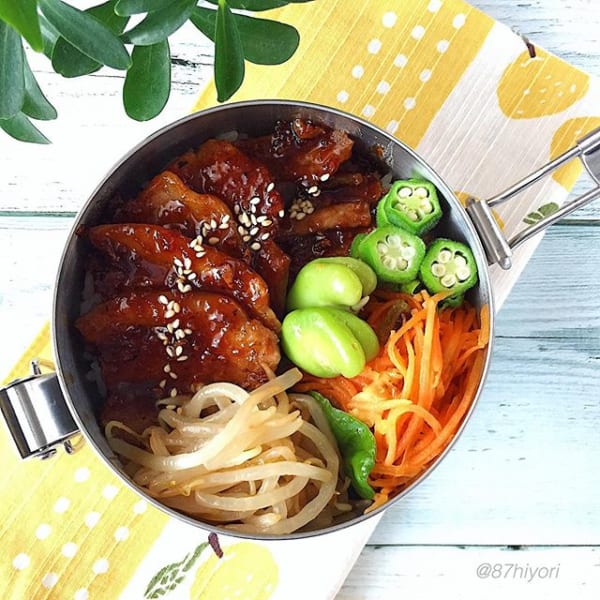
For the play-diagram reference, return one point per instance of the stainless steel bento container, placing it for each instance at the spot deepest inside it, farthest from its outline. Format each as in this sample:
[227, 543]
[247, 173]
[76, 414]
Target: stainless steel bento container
[44, 411]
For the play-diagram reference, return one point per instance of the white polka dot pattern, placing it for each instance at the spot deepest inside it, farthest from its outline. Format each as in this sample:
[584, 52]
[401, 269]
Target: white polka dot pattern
[49, 580]
[389, 19]
[100, 566]
[21, 561]
[62, 505]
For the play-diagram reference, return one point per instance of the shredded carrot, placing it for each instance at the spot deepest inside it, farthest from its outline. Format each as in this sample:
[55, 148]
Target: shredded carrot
[416, 392]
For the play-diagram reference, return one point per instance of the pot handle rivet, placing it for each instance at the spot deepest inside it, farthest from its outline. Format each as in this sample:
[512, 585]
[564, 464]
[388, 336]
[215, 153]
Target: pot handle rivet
[498, 249]
[37, 415]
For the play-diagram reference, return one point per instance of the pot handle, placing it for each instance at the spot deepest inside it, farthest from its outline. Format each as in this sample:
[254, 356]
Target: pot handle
[37, 415]
[497, 247]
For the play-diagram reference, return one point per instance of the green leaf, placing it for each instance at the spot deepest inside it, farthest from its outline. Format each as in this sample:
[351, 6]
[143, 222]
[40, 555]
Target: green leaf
[22, 129]
[265, 42]
[23, 16]
[70, 62]
[254, 5]
[49, 36]
[543, 211]
[197, 552]
[159, 25]
[127, 8]
[86, 33]
[148, 81]
[153, 589]
[36, 105]
[12, 81]
[229, 54]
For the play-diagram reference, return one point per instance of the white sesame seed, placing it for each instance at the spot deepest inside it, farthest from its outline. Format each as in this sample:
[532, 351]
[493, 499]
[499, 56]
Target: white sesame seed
[246, 238]
[225, 219]
[236, 209]
[310, 210]
[176, 307]
[267, 222]
[300, 216]
[187, 331]
[223, 226]
[187, 263]
[265, 236]
[173, 375]
[245, 219]
[261, 219]
[161, 336]
[167, 368]
[313, 189]
[173, 393]
[324, 177]
[170, 351]
[192, 276]
[281, 213]
[179, 271]
[186, 272]
[255, 200]
[213, 240]
[293, 214]
[241, 230]
[175, 323]
[253, 231]
[162, 383]
[193, 243]
[270, 187]
[163, 299]
[169, 314]
[213, 224]
[253, 209]
[182, 358]
[169, 326]
[253, 220]
[177, 262]
[186, 288]
[179, 335]
[178, 349]
[255, 246]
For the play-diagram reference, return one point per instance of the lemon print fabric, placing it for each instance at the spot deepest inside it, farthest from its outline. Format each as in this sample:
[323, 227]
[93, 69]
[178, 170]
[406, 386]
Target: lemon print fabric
[539, 86]
[565, 137]
[246, 571]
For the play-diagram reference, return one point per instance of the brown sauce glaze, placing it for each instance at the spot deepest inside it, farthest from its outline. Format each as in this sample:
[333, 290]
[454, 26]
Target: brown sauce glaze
[193, 271]
[153, 342]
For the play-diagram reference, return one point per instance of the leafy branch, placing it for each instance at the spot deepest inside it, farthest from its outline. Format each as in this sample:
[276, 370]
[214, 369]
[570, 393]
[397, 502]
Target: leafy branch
[80, 42]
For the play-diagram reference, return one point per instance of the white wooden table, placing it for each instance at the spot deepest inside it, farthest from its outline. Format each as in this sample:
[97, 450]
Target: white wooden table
[520, 490]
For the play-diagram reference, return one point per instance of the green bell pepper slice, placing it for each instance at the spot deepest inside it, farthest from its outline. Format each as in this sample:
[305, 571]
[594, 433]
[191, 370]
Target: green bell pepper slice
[327, 341]
[448, 265]
[393, 253]
[356, 444]
[412, 204]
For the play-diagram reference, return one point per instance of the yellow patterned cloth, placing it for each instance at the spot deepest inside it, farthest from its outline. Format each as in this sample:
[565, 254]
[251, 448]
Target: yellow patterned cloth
[447, 80]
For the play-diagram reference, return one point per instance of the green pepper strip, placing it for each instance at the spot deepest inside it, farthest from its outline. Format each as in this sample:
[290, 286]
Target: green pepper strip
[327, 341]
[356, 444]
[393, 253]
[411, 204]
[448, 265]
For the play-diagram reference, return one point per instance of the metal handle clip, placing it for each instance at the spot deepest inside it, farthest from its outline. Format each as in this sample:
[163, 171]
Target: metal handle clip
[497, 247]
[36, 414]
